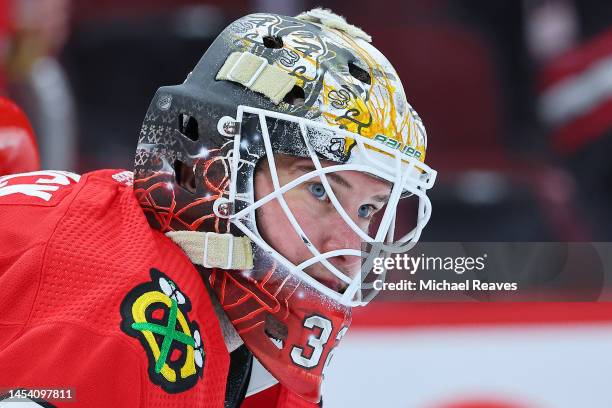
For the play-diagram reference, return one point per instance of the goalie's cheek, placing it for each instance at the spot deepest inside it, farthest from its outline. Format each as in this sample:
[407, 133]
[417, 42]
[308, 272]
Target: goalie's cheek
[310, 215]
[278, 231]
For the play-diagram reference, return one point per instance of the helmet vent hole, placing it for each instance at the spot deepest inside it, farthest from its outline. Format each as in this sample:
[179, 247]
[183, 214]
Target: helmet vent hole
[188, 126]
[184, 176]
[273, 41]
[296, 96]
[359, 73]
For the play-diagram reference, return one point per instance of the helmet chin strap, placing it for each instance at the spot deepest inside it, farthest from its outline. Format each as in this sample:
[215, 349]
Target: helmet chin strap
[213, 250]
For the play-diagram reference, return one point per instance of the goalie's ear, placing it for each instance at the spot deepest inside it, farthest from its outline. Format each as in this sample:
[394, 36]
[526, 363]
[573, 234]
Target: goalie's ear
[18, 150]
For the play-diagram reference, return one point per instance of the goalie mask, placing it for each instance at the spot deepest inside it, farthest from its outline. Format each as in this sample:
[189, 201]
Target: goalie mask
[310, 87]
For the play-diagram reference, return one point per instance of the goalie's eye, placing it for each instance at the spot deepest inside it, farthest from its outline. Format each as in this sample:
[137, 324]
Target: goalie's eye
[366, 211]
[318, 191]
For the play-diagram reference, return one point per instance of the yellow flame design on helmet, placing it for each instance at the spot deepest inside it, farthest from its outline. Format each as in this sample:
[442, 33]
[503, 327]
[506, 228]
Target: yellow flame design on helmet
[379, 112]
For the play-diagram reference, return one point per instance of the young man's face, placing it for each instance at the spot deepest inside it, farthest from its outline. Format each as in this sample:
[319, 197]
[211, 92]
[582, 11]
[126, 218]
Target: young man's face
[360, 194]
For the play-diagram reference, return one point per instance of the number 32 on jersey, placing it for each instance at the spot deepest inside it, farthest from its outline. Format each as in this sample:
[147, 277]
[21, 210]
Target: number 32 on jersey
[310, 355]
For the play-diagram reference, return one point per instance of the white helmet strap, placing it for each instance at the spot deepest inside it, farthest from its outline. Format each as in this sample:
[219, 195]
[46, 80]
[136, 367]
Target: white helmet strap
[213, 250]
[255, 73]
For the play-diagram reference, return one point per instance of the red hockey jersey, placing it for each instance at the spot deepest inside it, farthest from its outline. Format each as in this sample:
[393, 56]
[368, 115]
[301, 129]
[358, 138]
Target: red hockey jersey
[96, 304]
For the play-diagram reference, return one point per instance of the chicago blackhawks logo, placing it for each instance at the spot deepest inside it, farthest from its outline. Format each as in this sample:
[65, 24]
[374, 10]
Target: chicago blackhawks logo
[155, 313]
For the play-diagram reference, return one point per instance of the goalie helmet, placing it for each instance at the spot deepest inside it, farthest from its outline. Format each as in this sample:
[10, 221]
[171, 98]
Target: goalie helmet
[310, 86]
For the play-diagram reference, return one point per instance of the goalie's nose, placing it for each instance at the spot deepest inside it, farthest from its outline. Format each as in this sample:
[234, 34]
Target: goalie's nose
[338, 235]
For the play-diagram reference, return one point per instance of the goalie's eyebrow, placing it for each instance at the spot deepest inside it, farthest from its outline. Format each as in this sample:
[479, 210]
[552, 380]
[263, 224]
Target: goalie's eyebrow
[381, 198]
[307, 168]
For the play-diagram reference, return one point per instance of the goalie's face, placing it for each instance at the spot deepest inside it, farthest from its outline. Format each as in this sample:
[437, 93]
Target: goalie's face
[361, 195]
